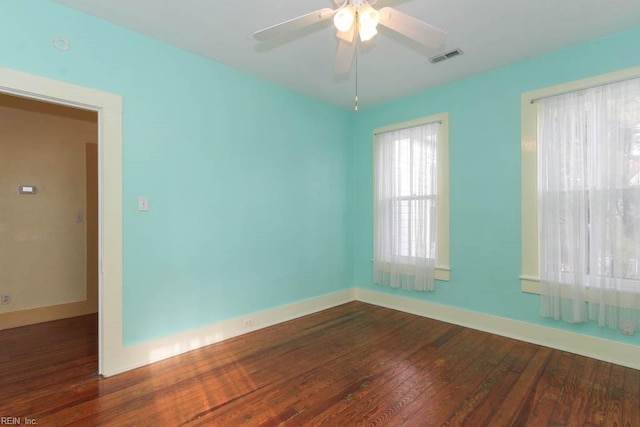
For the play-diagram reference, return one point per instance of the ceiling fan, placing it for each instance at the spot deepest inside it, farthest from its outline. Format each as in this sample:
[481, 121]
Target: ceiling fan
[353, 17]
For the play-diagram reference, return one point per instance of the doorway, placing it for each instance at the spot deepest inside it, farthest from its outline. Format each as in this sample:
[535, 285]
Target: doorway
[108, 107]
[49, 211]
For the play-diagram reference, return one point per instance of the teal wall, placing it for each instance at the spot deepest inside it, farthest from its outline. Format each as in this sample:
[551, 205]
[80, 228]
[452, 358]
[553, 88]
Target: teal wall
[484, 115]
[247, 183]
[256, 202]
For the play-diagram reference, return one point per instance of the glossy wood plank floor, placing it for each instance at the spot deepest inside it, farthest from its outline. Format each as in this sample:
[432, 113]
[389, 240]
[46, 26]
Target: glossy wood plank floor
[355, 364]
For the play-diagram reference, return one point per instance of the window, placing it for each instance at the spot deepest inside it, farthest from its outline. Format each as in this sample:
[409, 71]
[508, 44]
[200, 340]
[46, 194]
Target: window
[589, 161]
[581, 162]
[411, 204]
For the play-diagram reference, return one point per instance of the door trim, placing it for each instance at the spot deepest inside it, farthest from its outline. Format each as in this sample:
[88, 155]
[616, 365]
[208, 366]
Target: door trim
[109, 109]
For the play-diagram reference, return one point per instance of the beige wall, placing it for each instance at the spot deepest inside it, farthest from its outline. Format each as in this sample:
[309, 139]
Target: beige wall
[44, 262]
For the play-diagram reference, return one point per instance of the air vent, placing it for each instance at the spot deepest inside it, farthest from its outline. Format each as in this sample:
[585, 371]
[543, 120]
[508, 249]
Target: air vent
[445, 56]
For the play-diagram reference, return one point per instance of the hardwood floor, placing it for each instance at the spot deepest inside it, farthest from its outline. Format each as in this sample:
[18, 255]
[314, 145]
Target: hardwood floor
[355, 364]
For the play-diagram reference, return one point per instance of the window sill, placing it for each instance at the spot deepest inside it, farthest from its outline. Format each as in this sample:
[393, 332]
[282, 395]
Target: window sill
[443, 273]
[530, 284]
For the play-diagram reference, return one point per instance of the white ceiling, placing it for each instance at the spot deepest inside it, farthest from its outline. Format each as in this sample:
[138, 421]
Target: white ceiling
[491, 33]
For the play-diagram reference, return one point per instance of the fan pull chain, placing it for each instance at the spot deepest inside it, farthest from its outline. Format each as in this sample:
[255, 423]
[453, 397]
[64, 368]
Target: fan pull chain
[355, 107]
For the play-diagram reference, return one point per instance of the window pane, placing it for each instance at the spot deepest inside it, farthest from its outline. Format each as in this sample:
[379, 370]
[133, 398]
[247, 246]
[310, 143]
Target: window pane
[416, 219]
[406, 180]
[589, 182]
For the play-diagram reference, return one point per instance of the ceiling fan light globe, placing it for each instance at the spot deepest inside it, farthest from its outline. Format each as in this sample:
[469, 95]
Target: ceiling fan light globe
[367, 33]
[368, 17]
[343, 20]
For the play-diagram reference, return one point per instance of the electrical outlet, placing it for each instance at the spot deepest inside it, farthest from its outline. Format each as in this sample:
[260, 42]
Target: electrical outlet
[249, 323]
[143, 203]
[5, 299]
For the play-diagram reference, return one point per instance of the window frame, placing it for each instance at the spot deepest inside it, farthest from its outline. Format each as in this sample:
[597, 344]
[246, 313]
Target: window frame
[442, 269]
[530, 276]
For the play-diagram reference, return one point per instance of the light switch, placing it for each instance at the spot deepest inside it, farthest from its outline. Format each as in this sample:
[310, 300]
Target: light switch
[143, 203]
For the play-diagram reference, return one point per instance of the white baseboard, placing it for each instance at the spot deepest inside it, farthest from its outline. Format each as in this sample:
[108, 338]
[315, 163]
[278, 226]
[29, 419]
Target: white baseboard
[131, 357]
[584, 345]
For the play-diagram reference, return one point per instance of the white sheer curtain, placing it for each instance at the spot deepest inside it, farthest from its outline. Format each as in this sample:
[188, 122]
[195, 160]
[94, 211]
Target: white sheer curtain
[589, 205]
[405, 181]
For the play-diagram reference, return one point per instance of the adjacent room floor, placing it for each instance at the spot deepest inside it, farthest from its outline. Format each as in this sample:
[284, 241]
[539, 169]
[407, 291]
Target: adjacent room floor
[356, 364]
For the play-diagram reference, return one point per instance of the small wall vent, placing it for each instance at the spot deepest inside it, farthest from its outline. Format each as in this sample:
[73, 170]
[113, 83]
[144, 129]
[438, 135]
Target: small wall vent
[444, 56]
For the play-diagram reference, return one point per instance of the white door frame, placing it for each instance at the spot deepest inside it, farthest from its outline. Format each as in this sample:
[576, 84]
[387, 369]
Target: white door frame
[109, 109]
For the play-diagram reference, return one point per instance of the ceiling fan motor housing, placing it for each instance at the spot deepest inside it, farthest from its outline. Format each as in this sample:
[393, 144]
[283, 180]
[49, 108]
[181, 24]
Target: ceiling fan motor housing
[357, 3]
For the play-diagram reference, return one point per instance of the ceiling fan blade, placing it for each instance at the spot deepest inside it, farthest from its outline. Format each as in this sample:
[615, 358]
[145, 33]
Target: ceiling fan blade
[293, 24]
[347, 36]
[410, 27]
[344, 57]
